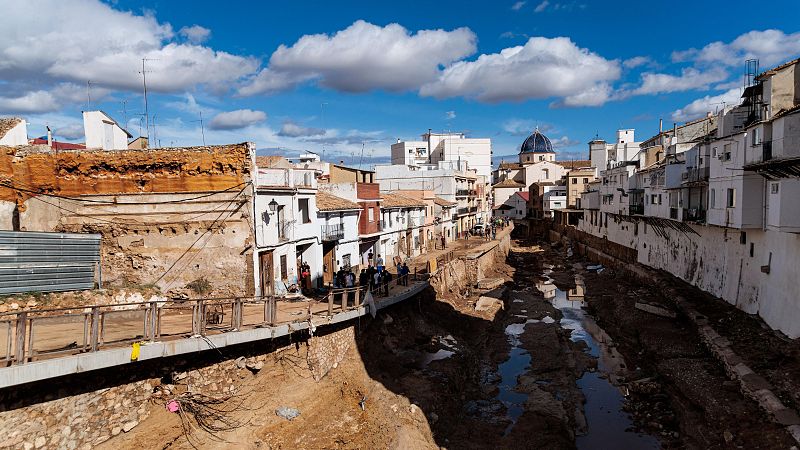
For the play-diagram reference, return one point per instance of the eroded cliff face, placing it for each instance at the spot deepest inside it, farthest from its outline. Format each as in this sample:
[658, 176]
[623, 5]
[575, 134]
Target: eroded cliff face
[82, 172]
[168, 216]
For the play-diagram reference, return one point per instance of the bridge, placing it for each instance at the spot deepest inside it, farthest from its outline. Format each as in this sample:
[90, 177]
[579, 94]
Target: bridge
[48, 343]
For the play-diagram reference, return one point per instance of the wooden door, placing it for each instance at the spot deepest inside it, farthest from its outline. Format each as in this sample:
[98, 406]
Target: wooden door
[328, 259]
[267, 274]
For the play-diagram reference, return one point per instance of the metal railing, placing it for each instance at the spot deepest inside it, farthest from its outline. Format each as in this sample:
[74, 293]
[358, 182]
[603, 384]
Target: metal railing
[695, 174]
[462, 210]
[462, 192]
[694, 215]
[37, 334]
[332, 232]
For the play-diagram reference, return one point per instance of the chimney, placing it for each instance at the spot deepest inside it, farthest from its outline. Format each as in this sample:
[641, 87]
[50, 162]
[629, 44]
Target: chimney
[49, 137]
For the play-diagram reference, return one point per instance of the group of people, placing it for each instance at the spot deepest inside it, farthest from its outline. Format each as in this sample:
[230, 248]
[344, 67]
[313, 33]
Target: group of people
[374, 275]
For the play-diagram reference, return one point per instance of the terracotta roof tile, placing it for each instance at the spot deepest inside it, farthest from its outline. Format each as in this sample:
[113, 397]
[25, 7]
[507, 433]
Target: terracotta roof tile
[391, 200]
[508, 183]
[510, 165]
[442, 202]
[330, 202]
[575, 164]
[7, 123]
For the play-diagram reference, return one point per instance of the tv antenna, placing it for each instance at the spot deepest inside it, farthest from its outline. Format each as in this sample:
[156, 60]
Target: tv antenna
[202, 129]
[144, 86]
[88, 94]
[322, 122]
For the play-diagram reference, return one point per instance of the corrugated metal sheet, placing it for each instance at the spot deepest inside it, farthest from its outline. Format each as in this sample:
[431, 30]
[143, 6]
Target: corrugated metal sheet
[47, 262]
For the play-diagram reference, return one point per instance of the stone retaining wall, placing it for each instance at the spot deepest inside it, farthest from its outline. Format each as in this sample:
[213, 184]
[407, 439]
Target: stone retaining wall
[81, 411]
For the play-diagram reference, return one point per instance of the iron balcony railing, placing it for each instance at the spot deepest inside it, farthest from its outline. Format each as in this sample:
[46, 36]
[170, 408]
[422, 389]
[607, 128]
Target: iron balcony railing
[694, 215]
[462, 192]
[695, 175]
[332, 232]
[462, 210]
[636, 209]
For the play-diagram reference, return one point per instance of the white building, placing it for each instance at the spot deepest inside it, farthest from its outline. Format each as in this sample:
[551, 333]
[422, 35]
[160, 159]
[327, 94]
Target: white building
[102, 131]
[286, 227]
[732, 218]
[402, 220]
[554, 198]
[338, 230]
[13, 131]
[453, 147]
[453, 182]
[604, 154]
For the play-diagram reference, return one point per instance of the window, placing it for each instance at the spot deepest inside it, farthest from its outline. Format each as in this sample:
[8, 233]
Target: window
[713, 198]
[546, 173]
[727, 152]
[284, 268]
[714, 152]
[585, 180]
[556, 203]
[731, 198]
[756, 137]
[773, 188]
[370, 215]
[346, 260]
[303, 205]
[574, 181]
[659, 199]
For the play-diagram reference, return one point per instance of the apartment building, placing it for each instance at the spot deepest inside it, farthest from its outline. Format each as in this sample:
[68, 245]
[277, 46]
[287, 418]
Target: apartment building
[714, 201]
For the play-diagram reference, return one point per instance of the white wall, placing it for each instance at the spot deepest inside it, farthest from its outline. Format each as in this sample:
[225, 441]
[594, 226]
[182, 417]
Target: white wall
[101, 131]
[718, 262]
[16, 136]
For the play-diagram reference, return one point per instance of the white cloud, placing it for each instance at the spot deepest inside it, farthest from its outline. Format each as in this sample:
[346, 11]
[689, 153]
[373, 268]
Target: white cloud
[524, 127]
[542, 68]
[701, 106]
[364, 57]
[232, 120]
[518, 5]
[72, 131]
[450, 115]
[31, 102]
[564, 141]
[689, 79]
[636, 61]
[541, 6]
[61, 48]
[291, 129]
[770, 47]
[196, 34]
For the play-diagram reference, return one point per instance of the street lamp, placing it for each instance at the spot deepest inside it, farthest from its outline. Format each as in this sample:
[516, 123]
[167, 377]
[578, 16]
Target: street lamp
[273, 205]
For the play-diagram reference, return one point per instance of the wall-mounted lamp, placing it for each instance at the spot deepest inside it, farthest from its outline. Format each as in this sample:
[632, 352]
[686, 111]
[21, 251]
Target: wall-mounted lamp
[273, 205]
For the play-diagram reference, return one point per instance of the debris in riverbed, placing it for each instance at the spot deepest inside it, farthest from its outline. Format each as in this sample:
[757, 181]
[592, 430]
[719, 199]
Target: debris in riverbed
[656, 310]
[287, 413]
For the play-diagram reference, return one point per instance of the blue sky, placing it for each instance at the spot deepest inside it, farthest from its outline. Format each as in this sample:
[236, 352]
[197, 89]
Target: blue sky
[334, 76]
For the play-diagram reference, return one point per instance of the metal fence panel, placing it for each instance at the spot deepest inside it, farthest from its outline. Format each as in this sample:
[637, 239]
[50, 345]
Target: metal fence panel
[47, 262]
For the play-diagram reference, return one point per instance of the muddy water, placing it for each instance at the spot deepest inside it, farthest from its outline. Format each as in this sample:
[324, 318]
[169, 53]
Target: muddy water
[517, 364]
[608, 426]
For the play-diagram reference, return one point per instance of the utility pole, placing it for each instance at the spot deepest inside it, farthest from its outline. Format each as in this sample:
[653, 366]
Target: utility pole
[125, 112]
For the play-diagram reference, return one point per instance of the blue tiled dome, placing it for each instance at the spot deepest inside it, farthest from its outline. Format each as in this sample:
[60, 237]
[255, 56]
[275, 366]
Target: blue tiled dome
[536, 143]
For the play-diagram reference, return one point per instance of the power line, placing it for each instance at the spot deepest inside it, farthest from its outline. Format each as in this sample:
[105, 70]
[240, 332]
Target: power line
[10, 184]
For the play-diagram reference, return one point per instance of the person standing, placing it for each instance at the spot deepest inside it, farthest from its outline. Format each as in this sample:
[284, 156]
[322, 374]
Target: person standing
[387, 278]
[379, 262]
[444, 241]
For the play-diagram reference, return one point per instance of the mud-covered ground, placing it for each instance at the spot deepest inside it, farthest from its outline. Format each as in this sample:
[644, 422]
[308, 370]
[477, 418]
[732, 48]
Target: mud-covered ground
[562, 360]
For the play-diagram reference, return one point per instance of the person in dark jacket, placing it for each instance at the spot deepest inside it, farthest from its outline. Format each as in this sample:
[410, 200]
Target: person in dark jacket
[386, 277]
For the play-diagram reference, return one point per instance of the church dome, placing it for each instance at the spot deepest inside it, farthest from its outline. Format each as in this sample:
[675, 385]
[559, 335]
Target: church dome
[536, 143]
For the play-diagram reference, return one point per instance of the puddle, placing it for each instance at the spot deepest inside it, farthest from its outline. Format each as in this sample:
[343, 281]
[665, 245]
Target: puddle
[517, 364]
[608, 426]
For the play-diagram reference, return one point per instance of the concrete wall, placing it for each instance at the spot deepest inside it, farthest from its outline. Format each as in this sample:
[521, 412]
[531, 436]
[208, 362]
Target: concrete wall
[718, 261]
[73, 413]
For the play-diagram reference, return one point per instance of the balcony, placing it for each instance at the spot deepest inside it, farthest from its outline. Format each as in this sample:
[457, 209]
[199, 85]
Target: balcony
[461, 211]
[463, 192]
[332, 232]
[636, 209]
[694, 215]
[695, 175]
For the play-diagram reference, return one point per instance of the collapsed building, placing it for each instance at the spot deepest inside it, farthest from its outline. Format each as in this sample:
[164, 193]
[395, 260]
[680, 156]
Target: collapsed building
[167, 216]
